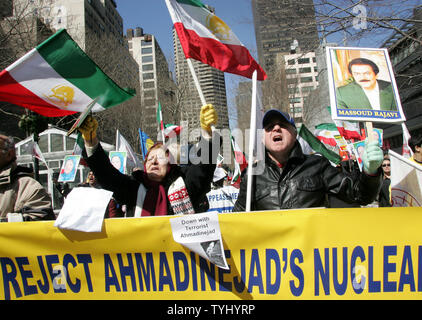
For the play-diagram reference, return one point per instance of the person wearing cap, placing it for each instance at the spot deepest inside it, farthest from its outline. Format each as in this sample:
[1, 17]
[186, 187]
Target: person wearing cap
[291, 179]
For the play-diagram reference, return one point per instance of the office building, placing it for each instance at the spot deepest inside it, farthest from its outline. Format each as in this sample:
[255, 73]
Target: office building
[155, 80]
[279, 23]
[302, 78]
[213, 86]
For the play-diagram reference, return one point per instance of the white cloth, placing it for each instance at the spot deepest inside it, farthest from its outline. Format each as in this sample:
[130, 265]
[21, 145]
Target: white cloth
[84, 210]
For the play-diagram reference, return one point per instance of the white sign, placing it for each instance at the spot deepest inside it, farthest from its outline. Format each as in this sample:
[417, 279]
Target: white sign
[362, 85]
[201, 234]
[84, 210]
[222, 199]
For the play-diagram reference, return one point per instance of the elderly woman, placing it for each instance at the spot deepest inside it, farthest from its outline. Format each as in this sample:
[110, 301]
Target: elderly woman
[162, 188]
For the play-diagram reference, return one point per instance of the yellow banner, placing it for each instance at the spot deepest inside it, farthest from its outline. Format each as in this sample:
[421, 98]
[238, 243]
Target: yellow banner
[365, 253]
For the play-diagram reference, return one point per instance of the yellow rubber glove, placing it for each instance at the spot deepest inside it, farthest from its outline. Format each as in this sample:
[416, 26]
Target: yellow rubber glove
[208, 116]
[88, 129]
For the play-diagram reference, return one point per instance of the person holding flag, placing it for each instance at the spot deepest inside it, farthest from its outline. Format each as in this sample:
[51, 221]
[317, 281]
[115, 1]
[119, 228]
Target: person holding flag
[292, 179]
[162, 188]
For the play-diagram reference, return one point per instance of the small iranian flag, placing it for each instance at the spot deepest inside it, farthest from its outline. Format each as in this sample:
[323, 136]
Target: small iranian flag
[160, 117]
[325, 132]
[406, 150]
[349, 130]
[57, 79]
[310, 145]
[36, 152]
[240, 162]
[207, 38]
[172, 130]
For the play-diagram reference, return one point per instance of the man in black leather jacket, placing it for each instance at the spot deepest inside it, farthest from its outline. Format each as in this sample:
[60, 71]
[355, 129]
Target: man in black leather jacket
[294, 180]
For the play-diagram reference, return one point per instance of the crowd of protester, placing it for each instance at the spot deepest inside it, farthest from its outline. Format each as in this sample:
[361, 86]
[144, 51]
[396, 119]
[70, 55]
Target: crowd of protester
[290, 178]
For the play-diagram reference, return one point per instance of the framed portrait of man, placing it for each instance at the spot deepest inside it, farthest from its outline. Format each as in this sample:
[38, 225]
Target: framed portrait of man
[362, 85]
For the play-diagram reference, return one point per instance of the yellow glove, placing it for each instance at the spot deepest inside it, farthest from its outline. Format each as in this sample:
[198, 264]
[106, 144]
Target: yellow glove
[89, 128]
[208, 116]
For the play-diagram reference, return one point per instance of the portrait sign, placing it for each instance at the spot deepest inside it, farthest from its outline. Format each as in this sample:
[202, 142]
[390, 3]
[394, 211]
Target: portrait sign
[362, 85]
[118, 160]
[358, 149]
[69, 168]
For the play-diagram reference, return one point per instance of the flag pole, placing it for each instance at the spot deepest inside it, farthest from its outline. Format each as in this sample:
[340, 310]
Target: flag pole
[117, 139]
[252, 135]
[197, 85]
[142, 143]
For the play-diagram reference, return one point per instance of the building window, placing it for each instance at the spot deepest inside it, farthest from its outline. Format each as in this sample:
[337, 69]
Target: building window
[70, 143]
[146, 50]
[291, 62]
[149, 94]
[43, 143]
[148, 76]
[150, 102]
[149, 84]
[305, 70]
[56, 142]
[303, 60]
[306, 79]
[147, 67]
[293, 90]
[295, 100]
[147, 59]
[290, 71]
[307, 89]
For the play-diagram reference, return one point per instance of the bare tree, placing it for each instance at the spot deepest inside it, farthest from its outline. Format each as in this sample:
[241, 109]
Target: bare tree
[20, 31]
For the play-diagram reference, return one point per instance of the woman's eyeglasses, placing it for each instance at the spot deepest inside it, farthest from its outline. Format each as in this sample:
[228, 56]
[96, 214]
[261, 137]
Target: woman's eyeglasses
[386, 165]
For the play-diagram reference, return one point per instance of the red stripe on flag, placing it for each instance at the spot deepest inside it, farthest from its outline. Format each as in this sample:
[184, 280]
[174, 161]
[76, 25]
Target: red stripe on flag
[11, 91]
[329, 141]
[225, 57]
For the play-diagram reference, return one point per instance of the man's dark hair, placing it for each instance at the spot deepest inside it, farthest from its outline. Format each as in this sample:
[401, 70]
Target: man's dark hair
[363, 61]
[415, 141]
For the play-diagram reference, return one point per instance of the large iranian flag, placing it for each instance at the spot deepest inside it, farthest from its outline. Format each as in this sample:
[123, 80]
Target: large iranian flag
[311, 144]
[57, 78]
[207, 38]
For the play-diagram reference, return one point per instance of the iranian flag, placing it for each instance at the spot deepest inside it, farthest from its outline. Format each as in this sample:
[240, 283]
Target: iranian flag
[172, 130]
[325, 132]
[207, 38]
[349, 130]
[406, 150]
[57, 79]
[310, 145]
[240, 162]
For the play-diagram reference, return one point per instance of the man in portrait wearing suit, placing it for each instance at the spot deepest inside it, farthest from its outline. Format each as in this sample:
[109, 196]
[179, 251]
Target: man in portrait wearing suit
[365, 92]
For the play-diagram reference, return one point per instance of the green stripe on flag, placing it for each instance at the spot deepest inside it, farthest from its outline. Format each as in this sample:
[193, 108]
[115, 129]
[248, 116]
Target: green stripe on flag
[317, 146]
[327, 126]
[195, 3]
[71, 62]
